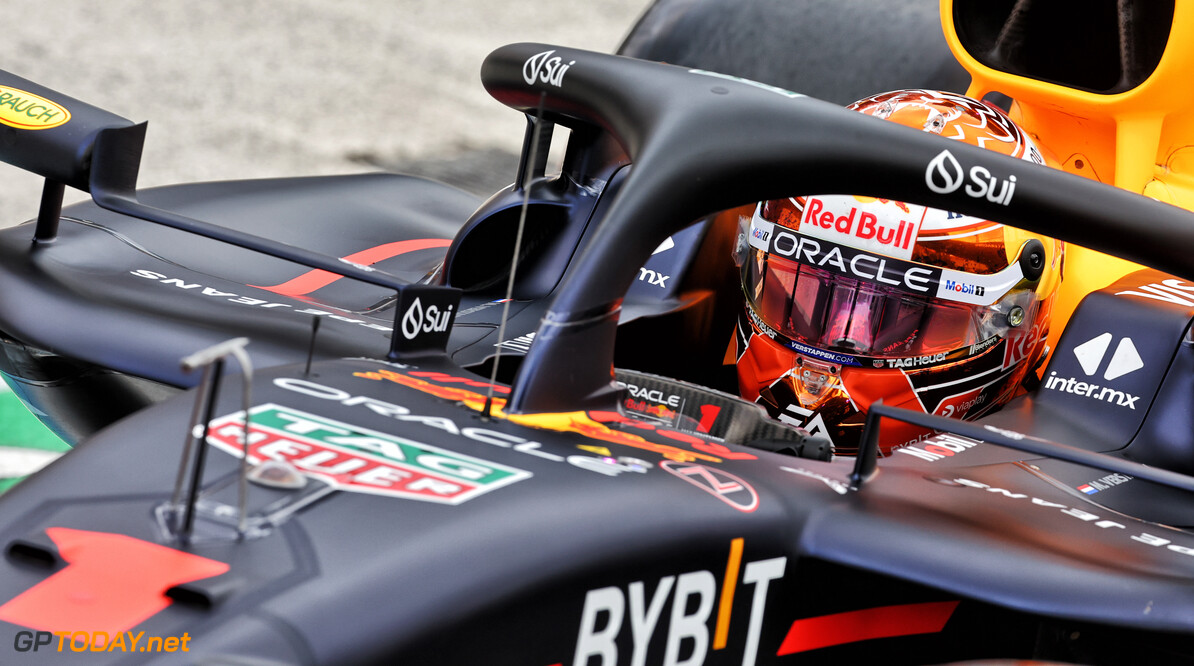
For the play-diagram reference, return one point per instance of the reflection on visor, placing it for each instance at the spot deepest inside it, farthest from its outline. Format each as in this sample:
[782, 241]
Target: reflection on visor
[828, 311]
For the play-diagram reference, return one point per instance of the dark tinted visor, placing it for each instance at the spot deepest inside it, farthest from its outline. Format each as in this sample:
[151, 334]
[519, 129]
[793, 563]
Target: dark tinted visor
[828, 311]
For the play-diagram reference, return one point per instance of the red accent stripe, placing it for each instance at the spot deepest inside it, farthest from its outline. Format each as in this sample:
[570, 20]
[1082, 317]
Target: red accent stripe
[317, 279]
[813, 633]
[113, 583]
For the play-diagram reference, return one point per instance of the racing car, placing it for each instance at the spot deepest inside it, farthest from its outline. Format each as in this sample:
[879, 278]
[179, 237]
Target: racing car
[400, 504]
[171, 292]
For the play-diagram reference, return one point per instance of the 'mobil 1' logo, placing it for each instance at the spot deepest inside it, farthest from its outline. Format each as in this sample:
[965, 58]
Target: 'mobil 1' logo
[24, 110]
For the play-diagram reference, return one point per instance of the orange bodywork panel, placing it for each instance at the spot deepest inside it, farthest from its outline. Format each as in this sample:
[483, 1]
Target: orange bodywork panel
[1141, 139]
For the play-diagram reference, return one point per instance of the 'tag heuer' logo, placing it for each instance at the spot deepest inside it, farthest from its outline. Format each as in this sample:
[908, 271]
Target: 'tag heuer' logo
[27, 111]
[359, 460]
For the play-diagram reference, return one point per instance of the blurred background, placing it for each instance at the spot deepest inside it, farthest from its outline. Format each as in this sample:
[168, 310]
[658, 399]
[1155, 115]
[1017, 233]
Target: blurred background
[237, 89]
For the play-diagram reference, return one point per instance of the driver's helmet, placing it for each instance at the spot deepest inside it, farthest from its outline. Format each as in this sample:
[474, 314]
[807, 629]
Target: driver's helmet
[853, 299]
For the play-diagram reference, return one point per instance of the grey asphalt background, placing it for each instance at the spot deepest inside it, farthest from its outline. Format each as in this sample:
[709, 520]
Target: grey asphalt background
[262, 88]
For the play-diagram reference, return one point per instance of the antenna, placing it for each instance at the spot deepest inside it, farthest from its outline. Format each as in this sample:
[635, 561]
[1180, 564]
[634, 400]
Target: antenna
[212, 361]
[311, 347]
[527, 174]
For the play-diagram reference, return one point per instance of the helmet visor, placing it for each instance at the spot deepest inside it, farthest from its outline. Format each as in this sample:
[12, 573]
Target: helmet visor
[828, 311]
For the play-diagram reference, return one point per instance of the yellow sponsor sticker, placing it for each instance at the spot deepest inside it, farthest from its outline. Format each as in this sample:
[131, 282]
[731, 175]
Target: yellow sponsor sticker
[24, 110]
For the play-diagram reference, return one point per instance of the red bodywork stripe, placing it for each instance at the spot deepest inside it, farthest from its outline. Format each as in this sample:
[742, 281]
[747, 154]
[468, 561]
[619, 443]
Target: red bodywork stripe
[316, 279]
[814, 633]
[112, 583]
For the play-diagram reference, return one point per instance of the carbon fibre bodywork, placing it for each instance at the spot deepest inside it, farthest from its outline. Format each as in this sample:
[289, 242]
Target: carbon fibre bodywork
[442, 518]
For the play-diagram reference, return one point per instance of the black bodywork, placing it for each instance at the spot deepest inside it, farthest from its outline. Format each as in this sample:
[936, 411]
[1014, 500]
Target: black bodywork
[448, 519]
[839, 51]
[173, 295]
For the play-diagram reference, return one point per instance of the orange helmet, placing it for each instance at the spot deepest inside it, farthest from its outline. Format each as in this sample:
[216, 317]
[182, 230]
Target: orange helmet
[854, 299]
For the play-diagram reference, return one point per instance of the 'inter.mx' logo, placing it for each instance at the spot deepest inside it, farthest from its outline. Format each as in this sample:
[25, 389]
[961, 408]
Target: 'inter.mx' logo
[1125, 359]
[1090, 354]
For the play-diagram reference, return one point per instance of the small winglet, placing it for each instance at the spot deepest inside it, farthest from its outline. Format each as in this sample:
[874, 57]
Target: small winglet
[54, 135]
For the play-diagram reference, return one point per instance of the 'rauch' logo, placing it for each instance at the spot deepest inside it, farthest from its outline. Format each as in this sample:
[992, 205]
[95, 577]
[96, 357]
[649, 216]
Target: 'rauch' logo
[419, 320]
[27, 111]
[545, 68]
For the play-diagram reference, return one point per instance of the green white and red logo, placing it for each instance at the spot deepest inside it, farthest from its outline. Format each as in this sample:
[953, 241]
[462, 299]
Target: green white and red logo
[355, 459]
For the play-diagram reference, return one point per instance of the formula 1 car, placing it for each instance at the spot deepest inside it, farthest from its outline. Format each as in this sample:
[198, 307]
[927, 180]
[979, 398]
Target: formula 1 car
[172, 292]
[400, 505]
